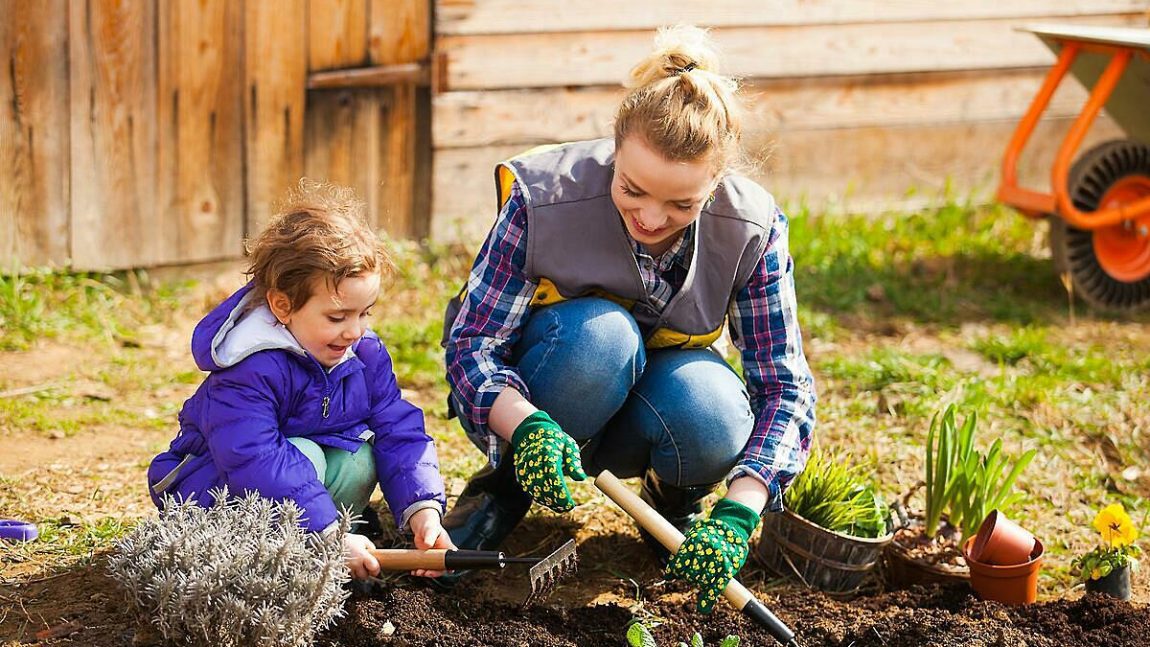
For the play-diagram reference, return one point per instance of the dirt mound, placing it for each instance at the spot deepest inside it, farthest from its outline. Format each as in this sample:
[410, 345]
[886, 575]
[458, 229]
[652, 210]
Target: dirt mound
[85, 607]
[921, 616]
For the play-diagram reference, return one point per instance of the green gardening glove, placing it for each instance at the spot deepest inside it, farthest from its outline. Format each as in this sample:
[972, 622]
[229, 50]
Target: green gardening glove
[714, 550]
[544, 454]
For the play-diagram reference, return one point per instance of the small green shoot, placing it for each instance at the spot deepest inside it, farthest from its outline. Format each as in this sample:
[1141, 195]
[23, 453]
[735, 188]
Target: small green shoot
[961, 481]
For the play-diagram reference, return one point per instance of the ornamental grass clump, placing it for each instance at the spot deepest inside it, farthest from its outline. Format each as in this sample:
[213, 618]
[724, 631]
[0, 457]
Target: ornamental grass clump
[240, 573]
[1118, 549]
[836, 495]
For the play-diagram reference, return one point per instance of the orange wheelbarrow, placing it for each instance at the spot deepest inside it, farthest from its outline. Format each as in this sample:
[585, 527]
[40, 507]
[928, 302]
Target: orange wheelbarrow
[1099, 208]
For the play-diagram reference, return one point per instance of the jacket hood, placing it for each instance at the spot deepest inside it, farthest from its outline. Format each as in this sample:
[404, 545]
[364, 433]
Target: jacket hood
[233, 330]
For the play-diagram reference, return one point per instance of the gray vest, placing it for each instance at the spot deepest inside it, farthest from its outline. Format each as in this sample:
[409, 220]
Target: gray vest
[577, 244]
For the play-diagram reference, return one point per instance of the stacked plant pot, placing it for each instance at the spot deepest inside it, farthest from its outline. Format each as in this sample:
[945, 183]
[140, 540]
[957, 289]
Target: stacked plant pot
[1004, 561]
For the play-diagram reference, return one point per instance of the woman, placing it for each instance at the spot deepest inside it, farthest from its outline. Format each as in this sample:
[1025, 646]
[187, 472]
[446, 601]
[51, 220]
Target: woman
[583, 335]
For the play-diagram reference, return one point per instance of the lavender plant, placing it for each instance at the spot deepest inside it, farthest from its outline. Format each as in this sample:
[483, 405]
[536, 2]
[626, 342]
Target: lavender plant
[240, 573]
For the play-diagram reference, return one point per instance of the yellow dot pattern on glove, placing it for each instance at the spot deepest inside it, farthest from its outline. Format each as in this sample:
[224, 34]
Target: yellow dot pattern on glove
[542, 459]
[711, 553]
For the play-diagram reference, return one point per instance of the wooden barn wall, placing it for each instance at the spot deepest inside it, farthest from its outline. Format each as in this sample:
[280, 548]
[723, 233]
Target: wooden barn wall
[138, 133]
[369, 138]
[34, 133]
[853, 105]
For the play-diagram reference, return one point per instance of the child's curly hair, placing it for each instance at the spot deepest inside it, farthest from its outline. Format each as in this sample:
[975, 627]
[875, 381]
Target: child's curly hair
[318, 232]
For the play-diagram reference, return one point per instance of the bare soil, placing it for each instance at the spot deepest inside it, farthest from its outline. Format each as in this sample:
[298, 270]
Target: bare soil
[83, 607]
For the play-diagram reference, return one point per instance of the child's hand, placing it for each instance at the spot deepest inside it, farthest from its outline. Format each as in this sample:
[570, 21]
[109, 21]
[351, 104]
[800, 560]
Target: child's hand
[355, 554]
[429, 533]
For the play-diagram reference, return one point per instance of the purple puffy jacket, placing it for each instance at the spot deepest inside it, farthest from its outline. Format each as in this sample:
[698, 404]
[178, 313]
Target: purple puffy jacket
[263, 388]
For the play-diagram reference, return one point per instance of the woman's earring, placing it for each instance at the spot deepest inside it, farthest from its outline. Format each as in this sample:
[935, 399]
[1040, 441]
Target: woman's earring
[710, 199]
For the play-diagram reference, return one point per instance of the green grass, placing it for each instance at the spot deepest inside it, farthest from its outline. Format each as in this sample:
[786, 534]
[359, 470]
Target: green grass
[52, 304]
[942, 265]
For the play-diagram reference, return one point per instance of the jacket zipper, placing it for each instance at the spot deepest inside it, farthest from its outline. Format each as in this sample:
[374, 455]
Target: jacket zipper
[326, 389]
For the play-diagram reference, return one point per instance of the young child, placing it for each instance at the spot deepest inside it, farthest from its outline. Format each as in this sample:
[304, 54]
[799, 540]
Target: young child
[301, 402]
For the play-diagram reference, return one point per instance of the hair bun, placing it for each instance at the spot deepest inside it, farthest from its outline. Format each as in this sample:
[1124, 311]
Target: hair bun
[678, 50]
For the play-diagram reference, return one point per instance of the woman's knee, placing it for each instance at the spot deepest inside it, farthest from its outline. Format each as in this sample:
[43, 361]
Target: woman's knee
[581, 347]
[704, 411]
[594, 331]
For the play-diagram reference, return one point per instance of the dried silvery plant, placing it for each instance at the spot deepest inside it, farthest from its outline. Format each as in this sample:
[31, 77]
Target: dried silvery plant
[241, 573]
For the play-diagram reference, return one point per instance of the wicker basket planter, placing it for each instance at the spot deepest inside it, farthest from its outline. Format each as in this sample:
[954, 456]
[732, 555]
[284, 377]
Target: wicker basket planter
[904, 571]
[835, 563]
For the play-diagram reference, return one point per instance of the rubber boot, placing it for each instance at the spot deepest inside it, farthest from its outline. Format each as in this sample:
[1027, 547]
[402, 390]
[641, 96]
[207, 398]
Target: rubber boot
[490, 507]
[681, 506]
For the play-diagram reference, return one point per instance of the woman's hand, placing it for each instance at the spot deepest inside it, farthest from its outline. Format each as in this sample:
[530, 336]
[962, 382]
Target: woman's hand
[544, 456]
[429, 533]
[714, 550]
[355, 554]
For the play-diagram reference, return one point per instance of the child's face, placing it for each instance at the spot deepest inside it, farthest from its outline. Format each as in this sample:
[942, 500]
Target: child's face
[331, 321]
[657, 197]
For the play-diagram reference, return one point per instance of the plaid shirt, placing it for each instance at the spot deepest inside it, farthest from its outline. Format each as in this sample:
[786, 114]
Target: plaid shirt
[763, 326]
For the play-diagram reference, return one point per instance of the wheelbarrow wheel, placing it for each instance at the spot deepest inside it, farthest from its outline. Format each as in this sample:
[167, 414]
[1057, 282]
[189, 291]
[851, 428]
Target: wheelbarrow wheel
[1109, 267]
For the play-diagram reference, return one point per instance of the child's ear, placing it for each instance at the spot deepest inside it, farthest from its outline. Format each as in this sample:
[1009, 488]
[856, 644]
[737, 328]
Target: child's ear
[280, 305]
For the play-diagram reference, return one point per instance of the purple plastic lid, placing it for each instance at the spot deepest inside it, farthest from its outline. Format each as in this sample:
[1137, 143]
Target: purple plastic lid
[18, 530]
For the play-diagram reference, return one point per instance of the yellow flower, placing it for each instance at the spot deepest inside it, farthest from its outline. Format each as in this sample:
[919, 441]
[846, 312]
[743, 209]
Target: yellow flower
[1115, 526]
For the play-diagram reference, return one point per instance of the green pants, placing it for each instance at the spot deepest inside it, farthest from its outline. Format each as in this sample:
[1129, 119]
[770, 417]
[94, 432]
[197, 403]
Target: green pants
[350, 478]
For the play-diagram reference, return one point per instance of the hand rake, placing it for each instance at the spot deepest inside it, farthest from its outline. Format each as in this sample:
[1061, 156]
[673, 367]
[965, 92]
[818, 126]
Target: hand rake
[545, 572]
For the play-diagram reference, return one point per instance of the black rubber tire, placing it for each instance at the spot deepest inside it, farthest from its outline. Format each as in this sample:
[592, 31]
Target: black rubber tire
[1073, 249]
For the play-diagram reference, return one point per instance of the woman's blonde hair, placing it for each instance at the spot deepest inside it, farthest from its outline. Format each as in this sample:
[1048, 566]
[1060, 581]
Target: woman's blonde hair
[680, 103]
[318, 232]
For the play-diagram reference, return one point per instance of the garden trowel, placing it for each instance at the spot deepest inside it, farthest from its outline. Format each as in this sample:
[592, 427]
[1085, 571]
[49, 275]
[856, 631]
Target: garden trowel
[654, 523]
[545, 572]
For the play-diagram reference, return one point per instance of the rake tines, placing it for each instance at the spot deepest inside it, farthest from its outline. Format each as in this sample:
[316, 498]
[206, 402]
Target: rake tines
[547, 573]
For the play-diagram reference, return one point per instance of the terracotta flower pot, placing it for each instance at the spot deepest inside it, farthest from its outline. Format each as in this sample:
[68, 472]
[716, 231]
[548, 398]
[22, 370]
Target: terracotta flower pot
[1014, 585]
[1117, 583]
[1002, 542]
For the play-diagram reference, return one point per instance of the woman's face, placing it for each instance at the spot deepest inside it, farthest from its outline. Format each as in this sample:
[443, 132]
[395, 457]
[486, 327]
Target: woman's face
[656, 197]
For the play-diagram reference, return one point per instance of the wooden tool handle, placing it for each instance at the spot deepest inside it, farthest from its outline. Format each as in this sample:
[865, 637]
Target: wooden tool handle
[410, 559]
[660, 528]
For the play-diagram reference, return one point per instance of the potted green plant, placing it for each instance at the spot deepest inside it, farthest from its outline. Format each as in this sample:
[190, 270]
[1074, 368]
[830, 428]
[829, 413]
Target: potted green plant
[963, 485]
[1106, 568]
[832, 530]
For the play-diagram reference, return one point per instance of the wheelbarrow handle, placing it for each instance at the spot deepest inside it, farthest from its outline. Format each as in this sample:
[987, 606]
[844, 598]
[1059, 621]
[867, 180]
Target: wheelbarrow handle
[671, 538]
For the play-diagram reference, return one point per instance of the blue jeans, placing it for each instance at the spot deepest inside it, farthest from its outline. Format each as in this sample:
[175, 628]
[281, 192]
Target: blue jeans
[682, 412]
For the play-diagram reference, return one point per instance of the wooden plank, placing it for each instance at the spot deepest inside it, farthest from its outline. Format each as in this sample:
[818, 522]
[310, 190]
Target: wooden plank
[337, 34]
[424, 155]
[200, 155]
[604, 58]
[399, 31]
[274, 103]
[112, 77]
[34, 138]
[487, 118]
[342, 142]
[400, 34]
[378, 76]
[463, 191]
[873, 167]
[398, 161]
[460, 17]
